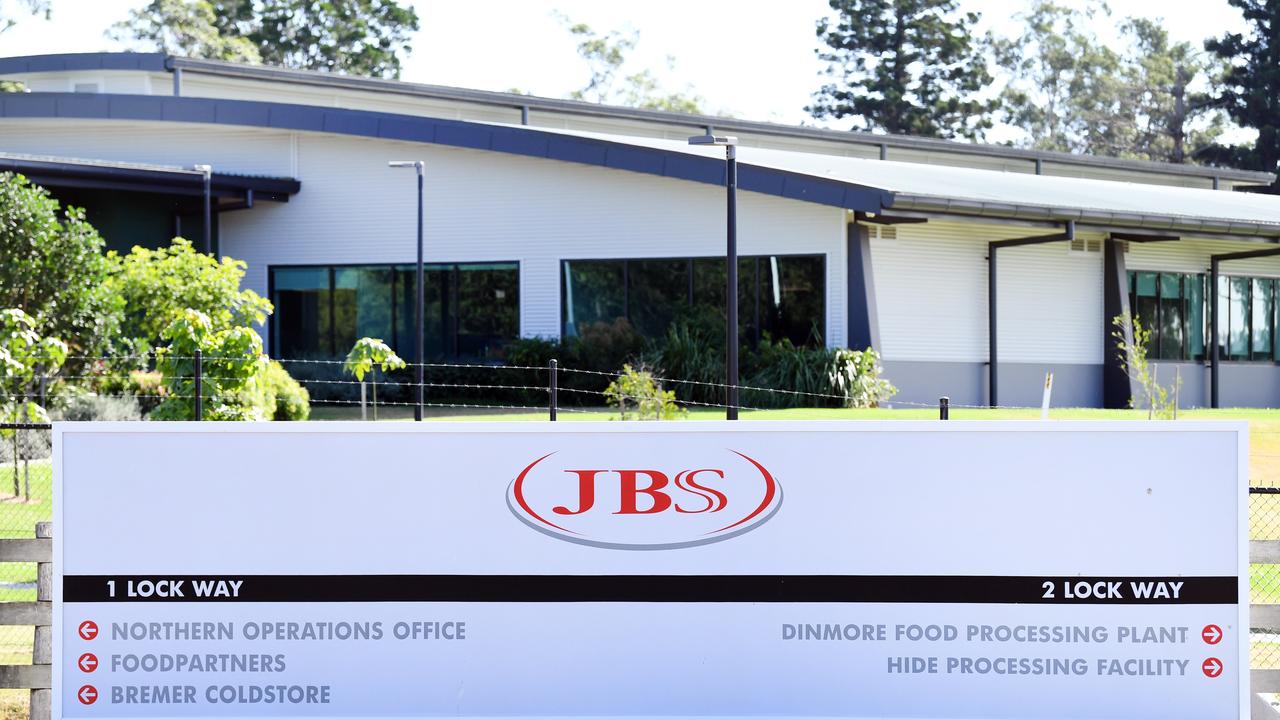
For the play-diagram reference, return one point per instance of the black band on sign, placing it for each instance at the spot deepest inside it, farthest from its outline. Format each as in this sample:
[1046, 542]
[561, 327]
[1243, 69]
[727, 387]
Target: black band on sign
[1217, 590]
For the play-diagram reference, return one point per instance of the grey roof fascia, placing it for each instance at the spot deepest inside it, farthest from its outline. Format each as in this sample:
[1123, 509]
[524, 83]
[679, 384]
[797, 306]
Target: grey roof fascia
[1082, 216]
[150, 62]
[578, 107]
[159, 62]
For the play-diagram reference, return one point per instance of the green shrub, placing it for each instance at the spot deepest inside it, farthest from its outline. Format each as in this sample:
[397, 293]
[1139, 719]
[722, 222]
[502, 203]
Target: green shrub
[533, 352]
[232, 371]
[816, 377]
[147, 387]
[605, 347]
[856, 374]
[638, 396]
[291, 401]
[688, 353]
[83, 407]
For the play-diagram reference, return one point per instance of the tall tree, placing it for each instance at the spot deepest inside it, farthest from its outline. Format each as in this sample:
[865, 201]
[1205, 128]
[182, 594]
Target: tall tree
[361, 37]
[905, 67]
[1174, 120]
[54, 269]
[1250, 87]
[1068, 91]
[184, 27]
[605, 55]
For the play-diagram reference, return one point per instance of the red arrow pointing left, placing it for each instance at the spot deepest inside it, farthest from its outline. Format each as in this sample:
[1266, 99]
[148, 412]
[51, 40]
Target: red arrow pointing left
[1212, 667]
[88, 695]
[88, 630]
[88, 662]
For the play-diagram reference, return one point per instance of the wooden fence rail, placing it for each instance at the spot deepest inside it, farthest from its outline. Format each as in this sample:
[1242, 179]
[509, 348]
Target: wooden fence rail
[38, 676]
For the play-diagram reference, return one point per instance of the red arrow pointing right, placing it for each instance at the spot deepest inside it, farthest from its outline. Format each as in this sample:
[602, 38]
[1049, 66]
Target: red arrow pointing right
[88, 695]
[1212, 634]
[1212, 667]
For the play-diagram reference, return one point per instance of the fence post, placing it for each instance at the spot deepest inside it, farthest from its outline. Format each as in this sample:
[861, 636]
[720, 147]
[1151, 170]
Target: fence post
[199, 385]
[944, 408]
[42, 650]
[554, 388]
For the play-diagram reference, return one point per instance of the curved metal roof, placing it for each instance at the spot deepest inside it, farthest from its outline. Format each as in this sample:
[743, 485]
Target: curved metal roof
[157, 62]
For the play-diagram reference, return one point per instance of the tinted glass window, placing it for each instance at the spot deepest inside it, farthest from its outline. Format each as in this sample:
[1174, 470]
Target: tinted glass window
[593, 291]
[302, 316]
[658, 291]
[780, 296]
[470, 310]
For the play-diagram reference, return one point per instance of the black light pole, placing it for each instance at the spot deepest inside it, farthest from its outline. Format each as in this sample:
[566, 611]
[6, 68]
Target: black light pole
[207, 172]
[420, 355]
[731, 275]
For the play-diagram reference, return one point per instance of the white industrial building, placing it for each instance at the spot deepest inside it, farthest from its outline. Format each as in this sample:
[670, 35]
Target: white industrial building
[544, 214]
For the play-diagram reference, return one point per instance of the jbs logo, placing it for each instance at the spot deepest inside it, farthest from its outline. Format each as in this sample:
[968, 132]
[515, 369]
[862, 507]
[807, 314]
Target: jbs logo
[644, 508]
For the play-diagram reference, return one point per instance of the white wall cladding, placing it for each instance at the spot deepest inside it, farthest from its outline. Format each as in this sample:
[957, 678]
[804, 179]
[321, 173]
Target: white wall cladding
[480, 206]
[1191, 255]
[250, 151]
[488, 206]
[931, 296]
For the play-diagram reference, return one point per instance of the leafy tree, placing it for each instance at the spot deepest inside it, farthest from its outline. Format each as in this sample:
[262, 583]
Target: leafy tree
[1069, 92]
[184, 28]
[1174, 121]
[53, 268]
[234, 371]
[1250, 87]
[24, 354]
[361, 37]
[1066, 90]
[605, 55]
[371, 354]
[905, 67]
[159, 286]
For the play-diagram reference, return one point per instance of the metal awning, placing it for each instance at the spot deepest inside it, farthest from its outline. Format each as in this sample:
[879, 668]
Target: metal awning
[136, 177]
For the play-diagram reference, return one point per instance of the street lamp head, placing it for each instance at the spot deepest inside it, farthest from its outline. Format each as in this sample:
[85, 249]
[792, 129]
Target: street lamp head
[713, 140]
[416, 164]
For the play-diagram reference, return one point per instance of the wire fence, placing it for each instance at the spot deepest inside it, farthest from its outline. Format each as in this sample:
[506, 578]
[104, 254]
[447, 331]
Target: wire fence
[453, 389]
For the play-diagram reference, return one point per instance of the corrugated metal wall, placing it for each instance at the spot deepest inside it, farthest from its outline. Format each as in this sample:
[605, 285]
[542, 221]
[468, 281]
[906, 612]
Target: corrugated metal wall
[1192, 256]
[489, 206]
[931, 296]
[479, 206]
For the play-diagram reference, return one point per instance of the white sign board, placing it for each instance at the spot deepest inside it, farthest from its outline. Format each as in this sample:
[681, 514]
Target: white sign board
[695, 569]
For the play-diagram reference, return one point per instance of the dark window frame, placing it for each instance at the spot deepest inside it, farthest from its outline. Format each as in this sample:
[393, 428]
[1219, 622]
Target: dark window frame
[273, 321]
[823, 324]
[1223, 305]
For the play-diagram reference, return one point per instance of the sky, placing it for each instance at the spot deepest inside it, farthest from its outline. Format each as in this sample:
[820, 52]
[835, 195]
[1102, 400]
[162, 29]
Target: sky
[748, 58]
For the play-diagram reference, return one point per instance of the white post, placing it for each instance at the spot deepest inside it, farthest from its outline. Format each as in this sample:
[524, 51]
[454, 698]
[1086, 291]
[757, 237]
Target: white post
[1048, 392]
[363, 412]
[1177, 385]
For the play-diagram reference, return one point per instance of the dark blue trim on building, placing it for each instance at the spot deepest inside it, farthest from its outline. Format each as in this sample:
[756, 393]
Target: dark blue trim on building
[864, 330]
[453, 133]
[151, 62]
